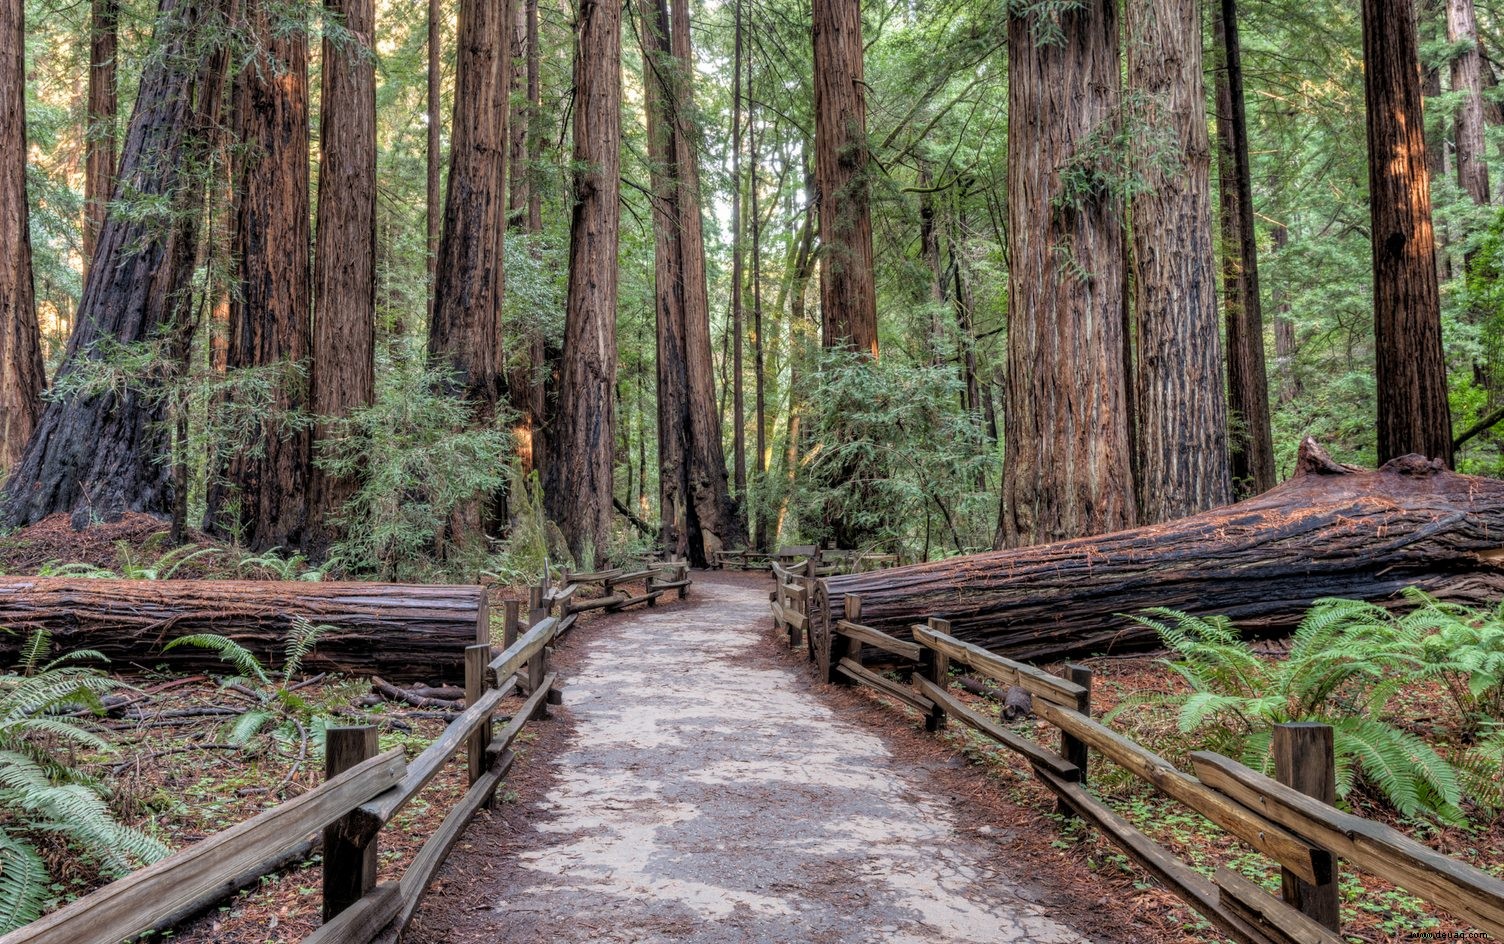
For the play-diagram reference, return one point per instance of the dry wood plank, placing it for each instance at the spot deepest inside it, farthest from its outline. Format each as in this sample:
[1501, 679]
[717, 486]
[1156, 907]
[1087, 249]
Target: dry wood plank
[1036, 682]
[866, 634]
[638, 575]
[592, 577]
[130, 905]
[1187, 884]
[415, 880]
[1039, 755]
[644, 598]
[860, 673]
[1311, 862]
[529, 710]
[527, 646]
[376, 812]
[363, 920]
[614, 600]
[1469, 893]
[671, 584]
[566, 624]
[563, 594]
[1276, 918]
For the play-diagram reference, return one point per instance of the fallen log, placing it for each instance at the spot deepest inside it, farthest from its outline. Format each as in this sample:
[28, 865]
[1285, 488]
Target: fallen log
[1330, 531]
[404, 633]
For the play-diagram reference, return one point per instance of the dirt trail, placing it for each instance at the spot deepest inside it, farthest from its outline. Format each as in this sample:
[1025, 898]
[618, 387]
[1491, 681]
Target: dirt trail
[701, 791]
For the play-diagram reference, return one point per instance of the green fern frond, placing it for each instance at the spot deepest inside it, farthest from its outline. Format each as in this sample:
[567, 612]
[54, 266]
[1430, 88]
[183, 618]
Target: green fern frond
[244, 661]
[248, 725]
[23, 883]
[301, 640]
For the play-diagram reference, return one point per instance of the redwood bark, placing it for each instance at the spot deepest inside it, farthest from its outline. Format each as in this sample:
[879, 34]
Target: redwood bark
[465, 333]
[435, 153]
[518, 125]
[401, 632]
[1331, 530]
[1066, 439]
[99, 132]
[581, 498]
[97, 455]
[1252, 452]
[1467, 83]
[21, 373]
[269, 315]
[344, 334]
[1413, 413]
[1181, 410]
[848, 299]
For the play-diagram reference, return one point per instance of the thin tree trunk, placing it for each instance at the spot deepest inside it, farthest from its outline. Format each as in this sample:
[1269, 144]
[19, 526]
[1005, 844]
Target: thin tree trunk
[21, 372]
[435, 154]
[535, 129]
[581, 502]
[99, 131]
[1252, 451]
[344, 336]
[848, 301]
[266, 504]
[1467, 82]
[1414, 415]
[738, 326]
[1066, 437]
[98, 454]
[760, 501]
[1181, 410]
[1286, 346]
[929, 250]
[518, 183]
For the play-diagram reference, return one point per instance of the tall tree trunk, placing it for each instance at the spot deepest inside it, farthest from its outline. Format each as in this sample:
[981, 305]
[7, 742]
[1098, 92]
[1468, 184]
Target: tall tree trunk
[535, 106]
[1286, 345]
[21, 373]
[848, 300]
[1182, 414]
[99, 132]
[518, 128]
[1431, 27]
[759, 394]
[1414, 415]
[698, 515]
[1467, 82]
[929, 251]
[344, 334]
[98, 453]
[1066, 437]
[738, 300]
[266, 504]
[1251, 451]
[435, 154]
[581, 500]
[464, 335]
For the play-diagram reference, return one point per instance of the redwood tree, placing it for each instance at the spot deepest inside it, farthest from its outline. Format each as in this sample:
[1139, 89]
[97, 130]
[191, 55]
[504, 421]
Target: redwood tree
[580, 500]
[697, 513]
[269, 322]
[848, 298]
[99, 137]
[98, 452]
[1181, 412]
[1467, 84]
[1067, 470]
[344, 335]
[21, 374]
[1414, 415]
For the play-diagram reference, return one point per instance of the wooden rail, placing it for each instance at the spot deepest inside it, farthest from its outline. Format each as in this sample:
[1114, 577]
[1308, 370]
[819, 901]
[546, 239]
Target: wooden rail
[657, 580]
[1304, 834]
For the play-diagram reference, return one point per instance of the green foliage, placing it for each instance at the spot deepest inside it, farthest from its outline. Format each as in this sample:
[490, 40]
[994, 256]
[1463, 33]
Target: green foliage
[420, 460]
[42, 791]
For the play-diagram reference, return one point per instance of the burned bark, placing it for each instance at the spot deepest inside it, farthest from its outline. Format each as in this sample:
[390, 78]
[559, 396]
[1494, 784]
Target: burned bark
[1330, 531]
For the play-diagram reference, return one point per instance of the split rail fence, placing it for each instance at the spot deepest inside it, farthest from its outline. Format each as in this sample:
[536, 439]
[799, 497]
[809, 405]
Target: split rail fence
[1292, 820]
[363, 790]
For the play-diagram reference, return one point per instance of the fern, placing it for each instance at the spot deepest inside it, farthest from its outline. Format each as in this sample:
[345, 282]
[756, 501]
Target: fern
[23, 883]
[244, 661]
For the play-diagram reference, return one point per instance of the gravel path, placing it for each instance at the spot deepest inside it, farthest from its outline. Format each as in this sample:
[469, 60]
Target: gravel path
[705, 793]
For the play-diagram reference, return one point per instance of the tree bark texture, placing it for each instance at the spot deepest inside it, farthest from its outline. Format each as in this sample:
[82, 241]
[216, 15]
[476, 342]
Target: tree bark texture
[1331, 530]
[465, 333]
[848, 299]
[99, 132]
[266, 503]
[581, 500]
[404, 633]
[1467, 83]
[435, 152]
[1066, 439]
[21, 372]
[520, 118]
[99, 454]
[1414, 415]
[344, 332]
[1180, 403]
[1251, 449]
[698, 516]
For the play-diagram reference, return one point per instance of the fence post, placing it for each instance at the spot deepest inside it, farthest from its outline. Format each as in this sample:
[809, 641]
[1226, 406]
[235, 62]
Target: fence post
[839, 647]
[681, 574]
[509, 621]
[476, 659]
[349, 868]
[1304, 759]
[535, 611]
[1071, 748]
[935, 666]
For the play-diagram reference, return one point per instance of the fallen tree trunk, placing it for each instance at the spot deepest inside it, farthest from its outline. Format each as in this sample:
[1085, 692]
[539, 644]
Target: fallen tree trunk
[1330, 531]
[405, 633]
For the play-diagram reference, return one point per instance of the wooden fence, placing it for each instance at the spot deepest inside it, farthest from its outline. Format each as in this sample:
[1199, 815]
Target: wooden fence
[1291, 819]
[827, 560]
[363, 791]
